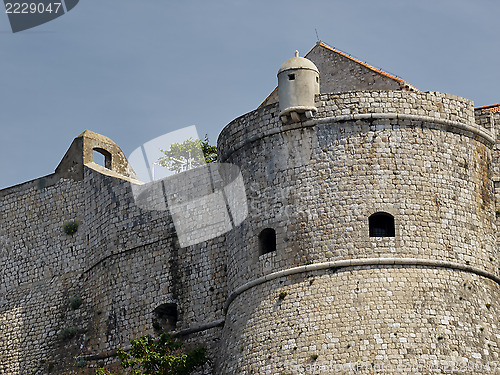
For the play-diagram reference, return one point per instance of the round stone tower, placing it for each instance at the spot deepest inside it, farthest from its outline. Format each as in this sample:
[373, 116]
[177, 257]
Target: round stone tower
[370, 240]
[298, 83]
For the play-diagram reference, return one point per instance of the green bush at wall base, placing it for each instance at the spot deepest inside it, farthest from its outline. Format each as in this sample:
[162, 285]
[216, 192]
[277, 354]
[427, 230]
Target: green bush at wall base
[161, 356]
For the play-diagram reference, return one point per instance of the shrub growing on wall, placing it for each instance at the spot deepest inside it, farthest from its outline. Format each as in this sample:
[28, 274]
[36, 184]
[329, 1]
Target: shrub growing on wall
[75, 302]
[70, 227]
[161, 356]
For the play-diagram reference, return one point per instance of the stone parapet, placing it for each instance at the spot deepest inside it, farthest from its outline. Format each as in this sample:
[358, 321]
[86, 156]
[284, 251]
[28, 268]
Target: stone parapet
[446, 109]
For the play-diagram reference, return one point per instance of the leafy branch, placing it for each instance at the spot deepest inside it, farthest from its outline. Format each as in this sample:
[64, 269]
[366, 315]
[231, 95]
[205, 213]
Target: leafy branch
[161, 356]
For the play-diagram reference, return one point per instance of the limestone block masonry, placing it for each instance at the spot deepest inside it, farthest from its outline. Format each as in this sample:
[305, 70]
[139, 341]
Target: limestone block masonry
[304, 285]
[419, 157]
[124, 263]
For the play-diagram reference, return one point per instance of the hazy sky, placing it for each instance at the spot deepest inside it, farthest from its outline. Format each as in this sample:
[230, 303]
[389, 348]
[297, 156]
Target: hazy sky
[135, 70]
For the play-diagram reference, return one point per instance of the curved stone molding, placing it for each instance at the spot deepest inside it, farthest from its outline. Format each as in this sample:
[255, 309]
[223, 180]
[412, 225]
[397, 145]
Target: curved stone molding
[200, 328]
[354, 263]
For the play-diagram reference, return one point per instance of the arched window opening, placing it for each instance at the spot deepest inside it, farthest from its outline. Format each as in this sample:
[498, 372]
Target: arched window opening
[267, 241]
[381, 225]
[165, 317]
[101, 157]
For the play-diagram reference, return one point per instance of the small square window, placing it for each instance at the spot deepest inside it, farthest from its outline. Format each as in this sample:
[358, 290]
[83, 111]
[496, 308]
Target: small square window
[101, 157]
[291, 77]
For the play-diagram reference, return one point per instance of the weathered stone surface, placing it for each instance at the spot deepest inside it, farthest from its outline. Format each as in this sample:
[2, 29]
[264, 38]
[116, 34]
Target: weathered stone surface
[425, 158]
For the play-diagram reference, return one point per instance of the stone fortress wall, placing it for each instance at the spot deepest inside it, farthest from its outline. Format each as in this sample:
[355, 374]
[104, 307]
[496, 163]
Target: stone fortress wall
[332, 294]
[124, 262]
[34, 251]
[327, 293]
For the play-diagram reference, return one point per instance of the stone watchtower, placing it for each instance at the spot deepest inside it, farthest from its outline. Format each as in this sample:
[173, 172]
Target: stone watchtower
[298, 80]
[370, 239]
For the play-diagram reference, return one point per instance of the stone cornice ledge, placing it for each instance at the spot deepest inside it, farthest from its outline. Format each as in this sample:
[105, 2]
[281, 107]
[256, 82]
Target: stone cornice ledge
[463, 127]
[358, 262]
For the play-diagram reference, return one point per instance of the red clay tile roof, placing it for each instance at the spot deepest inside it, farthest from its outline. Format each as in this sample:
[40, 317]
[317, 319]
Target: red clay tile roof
[491, 107]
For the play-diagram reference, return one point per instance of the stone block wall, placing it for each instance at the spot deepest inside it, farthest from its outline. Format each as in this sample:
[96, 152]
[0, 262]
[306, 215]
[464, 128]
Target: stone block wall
[40, 266]
[328, 295]
[420, 157]
[397, 320]
[123, 262]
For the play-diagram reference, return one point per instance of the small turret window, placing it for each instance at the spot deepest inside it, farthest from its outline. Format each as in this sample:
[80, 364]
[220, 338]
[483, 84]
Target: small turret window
[267, 241]
[381, 225]
[101, 157]
[291, 77]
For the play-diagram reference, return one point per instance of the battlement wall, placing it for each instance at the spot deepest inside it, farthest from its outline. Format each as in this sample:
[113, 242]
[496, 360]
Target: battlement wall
[426, 159]
[124, 262]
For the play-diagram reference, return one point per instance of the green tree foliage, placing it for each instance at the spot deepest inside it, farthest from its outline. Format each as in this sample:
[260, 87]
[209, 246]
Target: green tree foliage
[189, 154]
[161, 356]
[209, 151]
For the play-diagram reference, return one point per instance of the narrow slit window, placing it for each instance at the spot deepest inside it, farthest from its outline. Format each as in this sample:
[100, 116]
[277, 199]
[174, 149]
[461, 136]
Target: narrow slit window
[381, 225]
[291, 77]
[267, 241]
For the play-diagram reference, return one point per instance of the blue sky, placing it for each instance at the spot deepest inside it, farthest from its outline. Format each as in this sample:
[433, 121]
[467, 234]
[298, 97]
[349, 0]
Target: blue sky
[135, 70]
